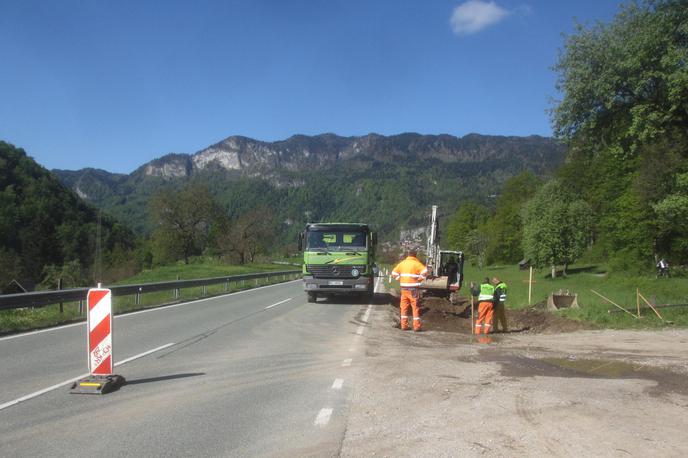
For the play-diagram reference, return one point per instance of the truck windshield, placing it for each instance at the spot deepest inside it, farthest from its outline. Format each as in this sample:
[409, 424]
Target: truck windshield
[336, 240]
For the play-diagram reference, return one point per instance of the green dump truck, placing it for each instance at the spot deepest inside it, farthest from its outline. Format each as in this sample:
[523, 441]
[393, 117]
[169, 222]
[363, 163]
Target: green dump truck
[338, 258]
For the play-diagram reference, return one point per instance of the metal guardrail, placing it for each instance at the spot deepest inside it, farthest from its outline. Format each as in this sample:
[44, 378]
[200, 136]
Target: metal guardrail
[43, 298]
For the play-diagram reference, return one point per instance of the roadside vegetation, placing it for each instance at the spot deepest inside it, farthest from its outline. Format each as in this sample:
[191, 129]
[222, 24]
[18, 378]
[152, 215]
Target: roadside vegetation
[33, 318]
[621, 199]
[581, 279]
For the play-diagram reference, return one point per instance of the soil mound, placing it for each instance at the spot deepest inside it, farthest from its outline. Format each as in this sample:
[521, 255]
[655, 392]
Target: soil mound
[441, 315]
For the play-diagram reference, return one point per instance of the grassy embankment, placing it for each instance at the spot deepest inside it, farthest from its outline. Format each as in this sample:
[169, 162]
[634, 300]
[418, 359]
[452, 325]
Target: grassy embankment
[619, 287]
[25, 319]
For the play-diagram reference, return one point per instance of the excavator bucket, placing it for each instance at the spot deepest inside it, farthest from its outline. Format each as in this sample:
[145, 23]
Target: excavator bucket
[561, 300]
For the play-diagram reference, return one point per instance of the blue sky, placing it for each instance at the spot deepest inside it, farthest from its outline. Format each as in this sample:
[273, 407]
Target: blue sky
[113, 85]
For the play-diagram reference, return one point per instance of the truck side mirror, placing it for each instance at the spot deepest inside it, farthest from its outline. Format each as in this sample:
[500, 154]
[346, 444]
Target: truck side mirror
[300, 241]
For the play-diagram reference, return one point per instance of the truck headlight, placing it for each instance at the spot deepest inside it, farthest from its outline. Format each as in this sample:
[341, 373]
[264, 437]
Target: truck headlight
[355, 272]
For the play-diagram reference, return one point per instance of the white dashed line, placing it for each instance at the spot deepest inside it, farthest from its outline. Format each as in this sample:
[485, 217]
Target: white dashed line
[323, 417]
[337, 384]
[72, 380]
[347, 362]
[366, 315]
[278, 303]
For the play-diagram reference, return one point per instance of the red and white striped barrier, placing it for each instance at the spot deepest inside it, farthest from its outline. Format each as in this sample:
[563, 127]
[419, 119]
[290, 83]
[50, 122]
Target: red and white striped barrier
[99, 331]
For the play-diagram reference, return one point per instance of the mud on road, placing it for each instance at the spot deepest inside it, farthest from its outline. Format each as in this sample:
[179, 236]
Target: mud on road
[559, 391]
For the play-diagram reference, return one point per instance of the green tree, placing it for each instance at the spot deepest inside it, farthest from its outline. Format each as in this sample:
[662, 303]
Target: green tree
[248, 235]
[556, 227]
[623, 115]
[626, 82]
[182, 219]
[506, 227]
[467, 231]
[672, 214]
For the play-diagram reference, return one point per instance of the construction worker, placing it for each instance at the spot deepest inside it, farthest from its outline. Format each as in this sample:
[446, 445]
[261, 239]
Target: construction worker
[410, 272]
[500, 307]
[486, 297]
[451, 270]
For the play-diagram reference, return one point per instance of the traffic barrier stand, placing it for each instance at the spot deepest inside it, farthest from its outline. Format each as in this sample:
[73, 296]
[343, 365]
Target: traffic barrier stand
[99, 323]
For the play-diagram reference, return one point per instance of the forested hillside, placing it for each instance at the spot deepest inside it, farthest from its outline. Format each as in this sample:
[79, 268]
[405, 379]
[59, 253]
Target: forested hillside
[387, 181]
[47, 231]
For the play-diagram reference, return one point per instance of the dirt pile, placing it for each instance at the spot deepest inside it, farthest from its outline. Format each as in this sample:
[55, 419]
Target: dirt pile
[441, 315]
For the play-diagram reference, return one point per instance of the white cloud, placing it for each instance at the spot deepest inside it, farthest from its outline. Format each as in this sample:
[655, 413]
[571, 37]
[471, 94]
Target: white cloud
[474, 15]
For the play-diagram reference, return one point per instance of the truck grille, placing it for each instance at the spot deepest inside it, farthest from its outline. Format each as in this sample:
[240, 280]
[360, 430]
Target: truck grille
[330, 271]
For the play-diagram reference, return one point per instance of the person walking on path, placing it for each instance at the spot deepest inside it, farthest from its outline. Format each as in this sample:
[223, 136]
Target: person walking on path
[500, 306]
[410, 272]
[486, 297]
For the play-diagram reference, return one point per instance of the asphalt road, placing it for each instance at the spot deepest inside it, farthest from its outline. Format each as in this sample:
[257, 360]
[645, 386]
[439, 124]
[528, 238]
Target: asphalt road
[257, 373]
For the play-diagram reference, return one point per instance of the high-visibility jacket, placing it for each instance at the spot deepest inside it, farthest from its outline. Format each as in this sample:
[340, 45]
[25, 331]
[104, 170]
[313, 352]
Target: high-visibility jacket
[502, 287]
[486, 293]
[410, 272]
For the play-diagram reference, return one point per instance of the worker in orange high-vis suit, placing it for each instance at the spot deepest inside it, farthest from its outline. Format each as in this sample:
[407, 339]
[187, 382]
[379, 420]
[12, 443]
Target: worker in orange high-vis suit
[410, 272]
[486, 296]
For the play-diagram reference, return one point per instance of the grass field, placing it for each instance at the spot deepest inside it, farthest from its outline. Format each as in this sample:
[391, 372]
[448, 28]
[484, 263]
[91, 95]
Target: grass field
[32, 318]
[582, 279]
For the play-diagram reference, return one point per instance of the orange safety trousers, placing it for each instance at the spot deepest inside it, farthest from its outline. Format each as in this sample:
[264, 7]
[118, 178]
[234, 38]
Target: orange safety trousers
[409, 299]
[484, 321]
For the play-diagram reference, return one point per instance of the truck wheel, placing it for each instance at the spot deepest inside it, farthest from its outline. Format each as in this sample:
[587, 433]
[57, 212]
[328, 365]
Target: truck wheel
[312, 297]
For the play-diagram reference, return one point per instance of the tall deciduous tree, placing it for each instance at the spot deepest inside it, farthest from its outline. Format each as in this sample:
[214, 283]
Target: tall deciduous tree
[556, 227]
[467, 231]
[623, 114]
[244, 237]
[505, 228]
[182, 219]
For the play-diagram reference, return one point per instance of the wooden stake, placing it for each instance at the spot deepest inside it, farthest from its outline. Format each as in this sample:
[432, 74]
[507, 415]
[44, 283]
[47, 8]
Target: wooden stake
[613, 303]
[530, 285]
[472, 326]
[651, 306]
[637, 300]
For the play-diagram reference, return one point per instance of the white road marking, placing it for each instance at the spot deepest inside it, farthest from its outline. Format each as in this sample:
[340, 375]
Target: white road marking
[72, 380]
[366, 315]
[323, 417]
[347, 362]
[155, 309]
[337, 384]
[359, 331]
[141, 355]
[278, 303]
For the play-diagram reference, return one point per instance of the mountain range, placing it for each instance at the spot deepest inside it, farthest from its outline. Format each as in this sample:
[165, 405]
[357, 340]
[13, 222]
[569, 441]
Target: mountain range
[375, 178]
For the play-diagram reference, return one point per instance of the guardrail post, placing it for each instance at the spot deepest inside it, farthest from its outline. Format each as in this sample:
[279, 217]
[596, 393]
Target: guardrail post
[227, 285]
[59, 287]
[204, 290]
[81, 306]
[137, 297]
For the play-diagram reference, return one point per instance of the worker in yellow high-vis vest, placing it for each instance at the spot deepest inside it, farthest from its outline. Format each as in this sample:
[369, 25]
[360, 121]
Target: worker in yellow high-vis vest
[500, 305]
[486, 299]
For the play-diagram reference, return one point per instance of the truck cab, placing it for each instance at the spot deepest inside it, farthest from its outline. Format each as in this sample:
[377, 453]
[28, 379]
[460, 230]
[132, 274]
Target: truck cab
[338, 259]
